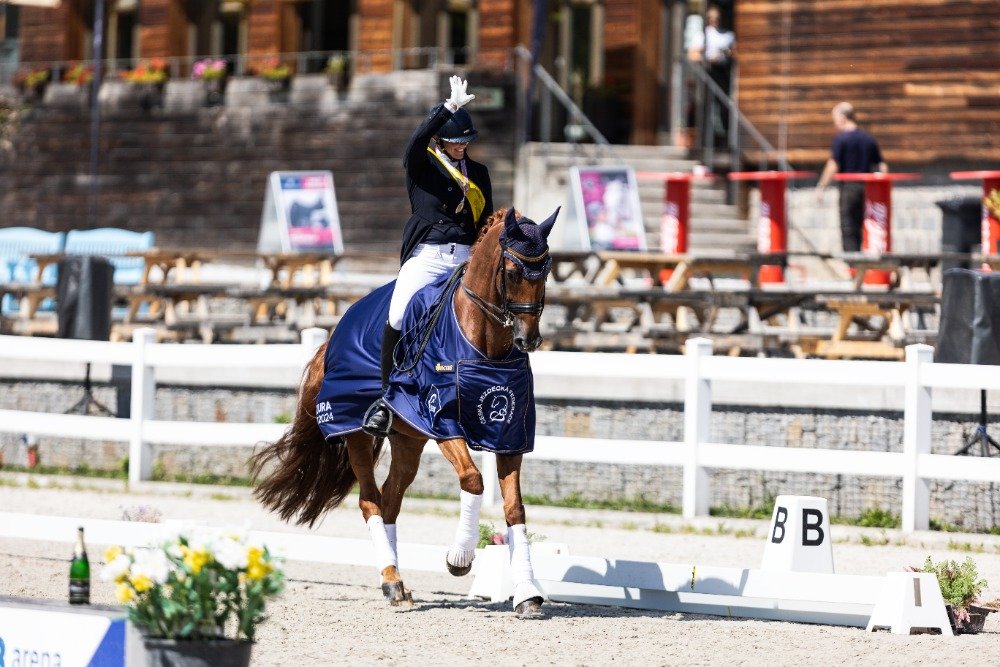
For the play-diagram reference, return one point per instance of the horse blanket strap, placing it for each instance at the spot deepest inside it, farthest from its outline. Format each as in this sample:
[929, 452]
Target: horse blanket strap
[454, 391]
[451, 391]
[472, 191]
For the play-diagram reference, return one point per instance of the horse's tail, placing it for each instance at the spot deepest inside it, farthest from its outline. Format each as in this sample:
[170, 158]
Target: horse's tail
[305, 476]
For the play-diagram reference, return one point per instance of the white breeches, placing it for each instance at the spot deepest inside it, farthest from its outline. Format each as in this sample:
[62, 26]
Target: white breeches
[427, 263]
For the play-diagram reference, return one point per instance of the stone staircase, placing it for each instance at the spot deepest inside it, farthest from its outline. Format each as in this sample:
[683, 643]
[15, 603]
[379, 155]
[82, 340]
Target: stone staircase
[542, 182]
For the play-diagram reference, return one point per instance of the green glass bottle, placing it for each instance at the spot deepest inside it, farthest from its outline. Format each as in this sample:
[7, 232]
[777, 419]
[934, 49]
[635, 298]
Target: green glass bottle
[79, 572]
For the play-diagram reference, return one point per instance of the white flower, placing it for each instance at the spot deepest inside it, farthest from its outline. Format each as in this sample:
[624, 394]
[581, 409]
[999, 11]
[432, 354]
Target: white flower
[116, 568]
[151, 563]
[231, 554]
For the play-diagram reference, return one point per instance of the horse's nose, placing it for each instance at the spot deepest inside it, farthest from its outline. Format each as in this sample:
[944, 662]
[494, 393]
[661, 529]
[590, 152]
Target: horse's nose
[527, 345]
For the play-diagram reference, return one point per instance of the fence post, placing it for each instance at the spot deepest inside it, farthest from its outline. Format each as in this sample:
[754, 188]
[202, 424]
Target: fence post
[312, 338]
[917, 416]
[140, 454]
[697, 422]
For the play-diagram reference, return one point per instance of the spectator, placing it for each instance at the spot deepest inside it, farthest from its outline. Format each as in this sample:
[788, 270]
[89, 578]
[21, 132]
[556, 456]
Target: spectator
[715, 47]
[854, 151]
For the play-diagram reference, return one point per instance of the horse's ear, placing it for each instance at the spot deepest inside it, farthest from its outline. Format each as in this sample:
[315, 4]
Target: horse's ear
[510, 221]
[546, 226]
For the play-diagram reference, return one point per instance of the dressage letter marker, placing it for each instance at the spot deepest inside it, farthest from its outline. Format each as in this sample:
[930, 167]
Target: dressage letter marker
[800, 528]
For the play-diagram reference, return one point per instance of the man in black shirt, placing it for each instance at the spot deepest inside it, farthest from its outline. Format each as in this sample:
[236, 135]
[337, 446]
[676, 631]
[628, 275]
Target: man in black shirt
[854, 151]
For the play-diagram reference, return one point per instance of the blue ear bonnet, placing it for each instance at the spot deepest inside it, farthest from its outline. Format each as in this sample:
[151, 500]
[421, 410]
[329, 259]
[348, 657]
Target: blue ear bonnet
[525, 245]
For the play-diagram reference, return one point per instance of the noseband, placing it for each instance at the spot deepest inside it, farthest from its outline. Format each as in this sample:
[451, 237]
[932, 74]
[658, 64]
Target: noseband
[505, 312]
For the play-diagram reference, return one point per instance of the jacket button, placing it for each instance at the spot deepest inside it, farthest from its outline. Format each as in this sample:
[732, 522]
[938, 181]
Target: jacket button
[449, 189]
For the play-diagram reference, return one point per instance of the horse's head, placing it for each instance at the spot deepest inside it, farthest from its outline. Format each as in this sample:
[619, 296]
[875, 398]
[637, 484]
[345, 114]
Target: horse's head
[518, 262]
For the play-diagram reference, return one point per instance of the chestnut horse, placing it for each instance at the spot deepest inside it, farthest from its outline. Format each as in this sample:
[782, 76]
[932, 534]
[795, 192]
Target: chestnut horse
[496, 301]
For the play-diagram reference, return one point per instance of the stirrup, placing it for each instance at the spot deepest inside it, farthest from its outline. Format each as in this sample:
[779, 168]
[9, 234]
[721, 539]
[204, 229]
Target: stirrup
[372, 424]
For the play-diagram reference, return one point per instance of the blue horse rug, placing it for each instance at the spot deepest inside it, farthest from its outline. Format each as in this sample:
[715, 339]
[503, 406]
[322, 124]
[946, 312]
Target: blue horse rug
[446, 390]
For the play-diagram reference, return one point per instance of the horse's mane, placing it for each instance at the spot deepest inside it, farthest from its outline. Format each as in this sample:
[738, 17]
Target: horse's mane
[496, 218]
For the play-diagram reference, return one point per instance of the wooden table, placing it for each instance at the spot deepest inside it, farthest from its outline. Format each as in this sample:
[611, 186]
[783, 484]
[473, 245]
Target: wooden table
[899, 265]
[682, 268]
[881, 338]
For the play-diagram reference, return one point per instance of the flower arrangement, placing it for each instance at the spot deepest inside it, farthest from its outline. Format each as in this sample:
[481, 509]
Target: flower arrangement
[960, 587]
[992, 202]
[197, 586]
[273, 69]
[209, 69]
[154, 71]
[32, 79]
[79, 74]
[489, 535]
[335, 65]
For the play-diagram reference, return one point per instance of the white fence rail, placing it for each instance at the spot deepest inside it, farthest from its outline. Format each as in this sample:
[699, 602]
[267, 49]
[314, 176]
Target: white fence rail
[697, 370]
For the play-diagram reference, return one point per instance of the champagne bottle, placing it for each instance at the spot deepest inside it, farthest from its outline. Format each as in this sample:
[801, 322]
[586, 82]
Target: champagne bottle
[79, 572]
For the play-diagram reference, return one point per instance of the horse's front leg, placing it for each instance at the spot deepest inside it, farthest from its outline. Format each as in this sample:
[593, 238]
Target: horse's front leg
[361, 450]
[463, 549]
[527, 598]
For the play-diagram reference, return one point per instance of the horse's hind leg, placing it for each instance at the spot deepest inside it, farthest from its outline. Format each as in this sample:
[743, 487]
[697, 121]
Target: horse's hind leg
[402, 470]
[527, 598]
[463, 550]
[361, 449]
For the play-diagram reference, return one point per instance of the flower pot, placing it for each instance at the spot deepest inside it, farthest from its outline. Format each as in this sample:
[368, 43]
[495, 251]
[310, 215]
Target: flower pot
[972, 626]
[277, 90]
[214, 91]
[196, 653]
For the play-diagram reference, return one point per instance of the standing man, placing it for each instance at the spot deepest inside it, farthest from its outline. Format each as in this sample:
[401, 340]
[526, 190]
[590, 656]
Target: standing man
[714, 47]
[854, 151]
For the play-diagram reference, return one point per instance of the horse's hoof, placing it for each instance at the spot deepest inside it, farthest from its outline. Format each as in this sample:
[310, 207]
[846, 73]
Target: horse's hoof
[530, 609]
[397, 595]
[457, 571]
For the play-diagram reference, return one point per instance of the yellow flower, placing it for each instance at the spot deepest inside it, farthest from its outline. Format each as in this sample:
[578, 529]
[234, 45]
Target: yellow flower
[195, 560]
[124, 592]
[256, 567]
[112, 553]
[141, 583]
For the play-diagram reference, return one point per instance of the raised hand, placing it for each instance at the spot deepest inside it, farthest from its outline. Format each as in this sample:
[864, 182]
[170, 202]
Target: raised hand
[459, 98]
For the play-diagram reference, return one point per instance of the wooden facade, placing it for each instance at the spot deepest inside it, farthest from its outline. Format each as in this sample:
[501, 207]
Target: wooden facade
[923, 75]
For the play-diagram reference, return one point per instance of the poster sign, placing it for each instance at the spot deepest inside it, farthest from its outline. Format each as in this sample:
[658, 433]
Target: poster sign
[300, 213]
[607, 200]
[40, 636]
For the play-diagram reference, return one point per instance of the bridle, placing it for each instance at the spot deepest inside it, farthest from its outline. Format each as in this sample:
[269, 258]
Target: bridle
[505, 312]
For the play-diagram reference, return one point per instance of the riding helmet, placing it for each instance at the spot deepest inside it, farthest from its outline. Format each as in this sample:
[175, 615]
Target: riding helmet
[458, 129]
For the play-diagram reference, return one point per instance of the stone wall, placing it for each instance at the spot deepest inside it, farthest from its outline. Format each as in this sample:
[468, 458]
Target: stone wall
[196, 174]
[973, 506]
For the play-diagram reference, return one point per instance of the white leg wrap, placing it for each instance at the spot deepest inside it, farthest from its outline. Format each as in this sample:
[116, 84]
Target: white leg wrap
[385, 547]
[520, 564]
[463, 551]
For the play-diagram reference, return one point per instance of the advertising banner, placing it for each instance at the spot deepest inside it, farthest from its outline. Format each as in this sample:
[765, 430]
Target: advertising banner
[607, 200]
[300, 213]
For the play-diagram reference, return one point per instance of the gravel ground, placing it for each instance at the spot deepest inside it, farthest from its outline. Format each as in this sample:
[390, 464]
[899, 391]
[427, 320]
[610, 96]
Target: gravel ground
[331, 614]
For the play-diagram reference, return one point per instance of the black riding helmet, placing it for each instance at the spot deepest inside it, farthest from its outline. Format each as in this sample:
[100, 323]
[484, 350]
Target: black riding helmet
[458, 129]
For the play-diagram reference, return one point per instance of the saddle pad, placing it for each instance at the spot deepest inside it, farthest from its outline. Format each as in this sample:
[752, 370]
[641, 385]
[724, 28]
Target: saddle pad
[493, 405]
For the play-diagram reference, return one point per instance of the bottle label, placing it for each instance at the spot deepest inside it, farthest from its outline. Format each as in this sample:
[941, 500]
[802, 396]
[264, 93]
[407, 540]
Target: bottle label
[79, 591]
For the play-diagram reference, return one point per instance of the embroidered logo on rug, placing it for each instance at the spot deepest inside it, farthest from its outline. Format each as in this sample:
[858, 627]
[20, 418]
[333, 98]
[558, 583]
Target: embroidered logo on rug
[496, 404]
[433, 402]
[443, 368]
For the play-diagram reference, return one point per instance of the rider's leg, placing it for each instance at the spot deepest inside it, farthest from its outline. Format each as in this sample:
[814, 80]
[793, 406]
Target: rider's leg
[426, 264]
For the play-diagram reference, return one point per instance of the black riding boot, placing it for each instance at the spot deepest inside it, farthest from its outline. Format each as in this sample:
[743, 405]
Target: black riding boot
[378, 419]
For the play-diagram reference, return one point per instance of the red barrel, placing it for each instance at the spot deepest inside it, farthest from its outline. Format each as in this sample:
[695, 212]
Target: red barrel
[990, 223]
[772, 227]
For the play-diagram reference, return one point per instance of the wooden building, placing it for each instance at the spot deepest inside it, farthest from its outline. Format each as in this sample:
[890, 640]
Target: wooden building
[923, 74]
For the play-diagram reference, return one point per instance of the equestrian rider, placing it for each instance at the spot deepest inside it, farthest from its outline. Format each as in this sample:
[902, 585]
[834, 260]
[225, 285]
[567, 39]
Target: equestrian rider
[450, 197]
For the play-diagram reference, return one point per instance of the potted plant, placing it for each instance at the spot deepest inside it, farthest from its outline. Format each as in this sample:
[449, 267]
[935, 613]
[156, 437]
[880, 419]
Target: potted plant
[278, 76]
[197, 598]
[32, 84]
[212, 72]
[336, 70]
[150, 78]
[79, 74]
[960, 588]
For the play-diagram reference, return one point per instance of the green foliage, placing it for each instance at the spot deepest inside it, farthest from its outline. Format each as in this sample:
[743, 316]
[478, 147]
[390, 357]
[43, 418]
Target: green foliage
[486, 533]
[196, 586]
[283, 418]
[577, 501]
[876, 517]
[960, 583]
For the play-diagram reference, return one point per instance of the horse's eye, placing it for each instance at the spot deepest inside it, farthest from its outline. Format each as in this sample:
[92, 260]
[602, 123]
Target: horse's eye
[513, 276]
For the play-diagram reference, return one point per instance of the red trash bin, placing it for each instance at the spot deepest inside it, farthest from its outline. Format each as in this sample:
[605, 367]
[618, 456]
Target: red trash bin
[990, 224]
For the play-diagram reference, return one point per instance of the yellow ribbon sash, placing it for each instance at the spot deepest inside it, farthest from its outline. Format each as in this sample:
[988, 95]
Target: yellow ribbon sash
[472, 192]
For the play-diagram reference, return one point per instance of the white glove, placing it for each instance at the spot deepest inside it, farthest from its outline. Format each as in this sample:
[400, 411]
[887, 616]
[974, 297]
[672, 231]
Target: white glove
[459, 98]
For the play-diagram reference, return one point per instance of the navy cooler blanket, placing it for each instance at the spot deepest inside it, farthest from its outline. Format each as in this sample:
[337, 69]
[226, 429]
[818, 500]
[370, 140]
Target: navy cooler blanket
[452, 390]
[352, 380]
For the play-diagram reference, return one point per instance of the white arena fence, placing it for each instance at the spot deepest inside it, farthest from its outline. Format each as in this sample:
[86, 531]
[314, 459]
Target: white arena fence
[572, 373]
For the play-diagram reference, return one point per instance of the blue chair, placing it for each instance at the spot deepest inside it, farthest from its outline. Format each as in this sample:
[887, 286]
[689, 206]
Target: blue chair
[113, 244]
[17, 244]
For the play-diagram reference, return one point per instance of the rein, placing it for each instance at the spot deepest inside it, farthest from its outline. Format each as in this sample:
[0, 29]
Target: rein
[504, 313]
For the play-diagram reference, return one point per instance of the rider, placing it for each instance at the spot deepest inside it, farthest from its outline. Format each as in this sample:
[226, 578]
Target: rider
[450, 198]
